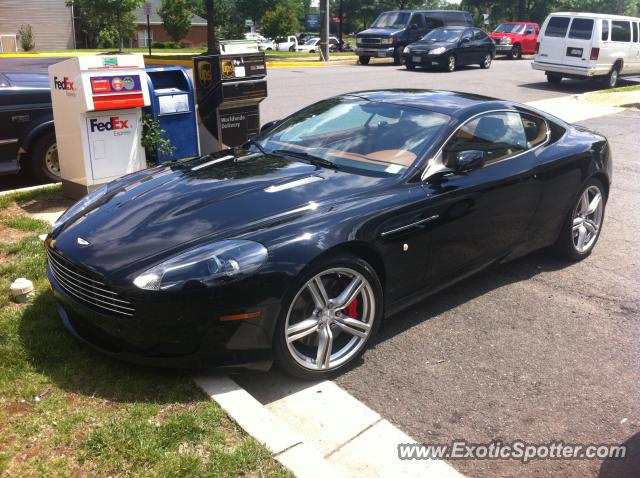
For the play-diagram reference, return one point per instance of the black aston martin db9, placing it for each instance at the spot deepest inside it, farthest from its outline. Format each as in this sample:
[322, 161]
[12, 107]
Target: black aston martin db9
[293, 247]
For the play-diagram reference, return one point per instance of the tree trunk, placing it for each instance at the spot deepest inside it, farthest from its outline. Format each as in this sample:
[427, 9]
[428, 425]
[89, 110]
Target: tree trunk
[522, 10]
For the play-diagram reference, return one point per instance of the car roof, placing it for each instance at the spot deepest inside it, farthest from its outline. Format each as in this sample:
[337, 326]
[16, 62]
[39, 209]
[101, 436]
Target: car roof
[26, 79]
[592, 15]
[451, 103]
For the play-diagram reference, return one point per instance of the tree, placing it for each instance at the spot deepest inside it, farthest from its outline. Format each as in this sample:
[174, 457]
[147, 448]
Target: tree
[176, 18]
[111, 20]
[279, 22]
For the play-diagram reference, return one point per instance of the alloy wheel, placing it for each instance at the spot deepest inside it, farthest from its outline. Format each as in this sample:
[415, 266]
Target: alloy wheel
[587, 219]
[51, 160]
[330, 319]
[451, 64]
[487, 60]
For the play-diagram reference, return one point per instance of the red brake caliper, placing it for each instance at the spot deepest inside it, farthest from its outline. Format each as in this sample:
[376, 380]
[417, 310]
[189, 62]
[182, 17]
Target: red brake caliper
[352, 309]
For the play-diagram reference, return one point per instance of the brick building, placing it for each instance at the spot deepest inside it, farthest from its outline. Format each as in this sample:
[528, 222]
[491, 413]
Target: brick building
[197, 36]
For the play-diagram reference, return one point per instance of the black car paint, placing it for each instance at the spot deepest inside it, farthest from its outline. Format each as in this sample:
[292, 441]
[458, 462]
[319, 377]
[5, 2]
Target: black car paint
[452, 225]
[25, 114]
[405, 36]
[471, 52]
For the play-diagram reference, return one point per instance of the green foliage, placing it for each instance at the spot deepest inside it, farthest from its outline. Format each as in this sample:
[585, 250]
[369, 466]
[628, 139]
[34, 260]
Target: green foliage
[26, 37]
[176, 17]
[153, 138]
[99, 20]
[109, 37]
[279, 22]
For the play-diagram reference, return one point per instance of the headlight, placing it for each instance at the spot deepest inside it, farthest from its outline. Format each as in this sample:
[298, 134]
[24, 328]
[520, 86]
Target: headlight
[80, 206]
[406, 50]
[437, 51]
[387, 41]
[204, 264]
[506, 41]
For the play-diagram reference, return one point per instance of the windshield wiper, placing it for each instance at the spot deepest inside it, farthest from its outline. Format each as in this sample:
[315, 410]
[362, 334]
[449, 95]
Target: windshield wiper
[315, 160]
[257, 145]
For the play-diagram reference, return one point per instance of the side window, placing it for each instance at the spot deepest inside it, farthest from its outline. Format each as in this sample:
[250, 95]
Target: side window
[529, 30]
[500, 135]
[581, 28]
[467, 34]
[433, 22]
[620, 31]
[605, 30]
[635, 32]
[418, 19]
[557, 27]
[535, 129]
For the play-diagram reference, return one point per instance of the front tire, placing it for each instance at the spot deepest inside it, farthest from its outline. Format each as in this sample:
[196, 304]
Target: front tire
[582, 227]
[451, 63]
[397, 56]
[42, 164]
[364, 60]
[329, 318]
[515, 53]
[409, 65]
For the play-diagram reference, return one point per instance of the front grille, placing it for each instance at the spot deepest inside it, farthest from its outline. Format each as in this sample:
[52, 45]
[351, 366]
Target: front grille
[86, 288]
[370, 41]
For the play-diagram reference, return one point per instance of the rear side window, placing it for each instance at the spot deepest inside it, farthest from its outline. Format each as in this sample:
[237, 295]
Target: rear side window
[535, 129]
[581, 28]
[635, 32]
[557, 27]
[620, 31]
[418, 19]
[453, 18]
[605, 30]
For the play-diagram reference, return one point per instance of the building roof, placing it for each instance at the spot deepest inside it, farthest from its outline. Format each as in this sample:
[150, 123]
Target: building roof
[154, 18]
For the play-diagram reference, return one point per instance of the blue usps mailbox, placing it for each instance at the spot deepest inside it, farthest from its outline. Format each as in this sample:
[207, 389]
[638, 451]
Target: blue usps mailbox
[173, 106]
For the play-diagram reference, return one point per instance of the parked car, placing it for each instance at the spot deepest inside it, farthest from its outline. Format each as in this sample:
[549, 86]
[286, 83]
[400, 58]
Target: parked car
[588, 45]
[392, 31]
[27, 137]
[515, 38]
[267, 45]
[288, 43]
[312, 45]
[254, 36]
[294, 246]
[449, 48]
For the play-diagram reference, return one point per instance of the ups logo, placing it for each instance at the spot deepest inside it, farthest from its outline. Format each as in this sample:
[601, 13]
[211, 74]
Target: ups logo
[205, 74]
[227, 68]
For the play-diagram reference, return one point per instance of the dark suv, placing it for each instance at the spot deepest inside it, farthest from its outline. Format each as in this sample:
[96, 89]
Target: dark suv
[392, 31]
[27, 138]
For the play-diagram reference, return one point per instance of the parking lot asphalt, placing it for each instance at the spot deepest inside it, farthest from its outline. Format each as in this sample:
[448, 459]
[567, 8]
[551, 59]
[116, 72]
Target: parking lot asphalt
[537, 350]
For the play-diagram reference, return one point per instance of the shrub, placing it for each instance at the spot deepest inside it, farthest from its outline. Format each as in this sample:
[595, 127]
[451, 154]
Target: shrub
[26, 37]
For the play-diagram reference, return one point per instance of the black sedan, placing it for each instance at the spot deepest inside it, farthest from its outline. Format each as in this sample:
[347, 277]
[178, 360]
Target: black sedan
[449, 48]
[296, 246]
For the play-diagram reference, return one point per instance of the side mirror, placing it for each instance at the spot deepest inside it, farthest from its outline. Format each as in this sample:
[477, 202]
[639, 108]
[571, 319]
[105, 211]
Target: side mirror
[466, 161]
[413, 26]
[267, 126]
[465, 40]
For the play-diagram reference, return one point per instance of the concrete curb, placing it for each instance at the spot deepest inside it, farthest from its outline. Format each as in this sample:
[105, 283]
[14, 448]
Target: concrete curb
[287, 447]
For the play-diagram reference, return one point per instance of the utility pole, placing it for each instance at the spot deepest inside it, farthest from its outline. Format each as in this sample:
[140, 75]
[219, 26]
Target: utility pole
[325, 13]
[340, 15]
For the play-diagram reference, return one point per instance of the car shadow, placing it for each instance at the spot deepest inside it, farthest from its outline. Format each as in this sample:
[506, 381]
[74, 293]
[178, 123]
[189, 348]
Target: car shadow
[571, 87]
[440, 70]
[626, 467]
[75, 367]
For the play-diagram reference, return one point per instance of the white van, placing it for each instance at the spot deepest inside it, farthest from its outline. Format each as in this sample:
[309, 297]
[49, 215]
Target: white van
[586, 45]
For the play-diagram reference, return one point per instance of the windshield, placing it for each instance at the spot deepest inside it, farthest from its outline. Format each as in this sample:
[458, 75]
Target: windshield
[311, 41]
[509, 28]
[394, 20]
[446, 35]
[353, 133]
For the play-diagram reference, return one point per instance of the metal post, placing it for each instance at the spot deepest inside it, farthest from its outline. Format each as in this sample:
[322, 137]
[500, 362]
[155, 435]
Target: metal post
[325, 13]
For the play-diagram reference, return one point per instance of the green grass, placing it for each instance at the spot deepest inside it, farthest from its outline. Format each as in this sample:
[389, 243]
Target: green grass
[66, 410]
[622, 88]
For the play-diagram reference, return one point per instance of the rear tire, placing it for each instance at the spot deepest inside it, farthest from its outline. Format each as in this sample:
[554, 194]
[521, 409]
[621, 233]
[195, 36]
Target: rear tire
[611, 80]
[485, 64]
[364, 60]
[344, 329]
[42, 162]
[515, 53]
[554, 78]
[582, 226]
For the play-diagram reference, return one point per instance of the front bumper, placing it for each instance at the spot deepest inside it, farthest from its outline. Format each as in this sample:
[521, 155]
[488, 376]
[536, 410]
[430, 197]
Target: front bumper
[424, 59]
[386, 52]
[184, 334]
[503, 48]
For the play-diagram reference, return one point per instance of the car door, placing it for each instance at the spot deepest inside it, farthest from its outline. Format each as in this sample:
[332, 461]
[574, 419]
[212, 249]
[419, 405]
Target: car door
[579, 42]
[480, 216]
[530, 39]
[553, 39]
[623, 47]
[635, 48]
[465, 53]
[419, 30]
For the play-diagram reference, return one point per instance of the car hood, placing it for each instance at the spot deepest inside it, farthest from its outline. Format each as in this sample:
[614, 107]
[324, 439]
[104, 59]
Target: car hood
[165, 210]
[505, 35]
[379, 32]
[425, 45]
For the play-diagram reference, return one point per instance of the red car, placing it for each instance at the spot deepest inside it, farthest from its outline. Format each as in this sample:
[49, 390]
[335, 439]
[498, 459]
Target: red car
[515, 38]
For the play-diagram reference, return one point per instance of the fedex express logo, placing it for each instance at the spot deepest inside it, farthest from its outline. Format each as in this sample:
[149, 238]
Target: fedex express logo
[63, 84]
[114, 123]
